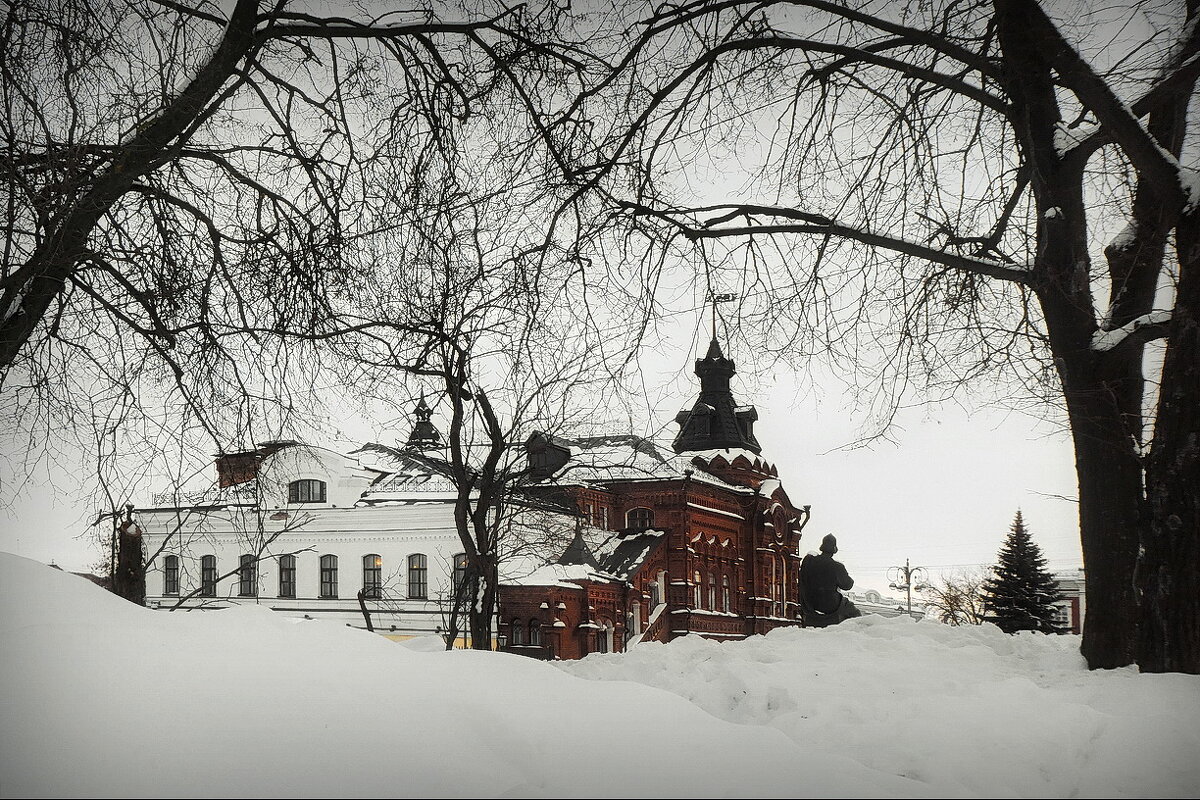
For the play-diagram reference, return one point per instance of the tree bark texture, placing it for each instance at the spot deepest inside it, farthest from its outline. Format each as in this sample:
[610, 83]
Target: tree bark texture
[129, 581]
[1169, 564]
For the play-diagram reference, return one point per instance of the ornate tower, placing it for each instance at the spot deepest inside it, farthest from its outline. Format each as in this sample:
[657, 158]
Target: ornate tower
[424, 435]
[716, 421]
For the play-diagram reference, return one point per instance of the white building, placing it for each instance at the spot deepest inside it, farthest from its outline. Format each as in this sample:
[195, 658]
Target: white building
[302, 529]
[1070, 611]
[872, 602]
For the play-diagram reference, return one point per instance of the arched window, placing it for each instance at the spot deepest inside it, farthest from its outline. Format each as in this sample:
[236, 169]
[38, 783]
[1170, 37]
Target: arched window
[712, 591]
[306, 491]
[777, 591]
[247, 576]
[516, 632]
[460, 575]
[604, 637]
[725, 593]
[171, 575]
[287, 576]
[372, 576]
[535, 633]
[208, 576]
[635, 619]
[697, 589]
[639, 519]
[418, 577]
[655, 595]
[329, 578]
[783, 585]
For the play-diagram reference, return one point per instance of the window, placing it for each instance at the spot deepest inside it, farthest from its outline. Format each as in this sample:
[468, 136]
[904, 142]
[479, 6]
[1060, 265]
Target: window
[589, 512]
[774, 587]
[329, 576]
[725, 593]
[247, 576]
[635, 619]
[171, 575]
[306, 491]
[517, 632]
[783, 584]
[639, 519]
[372, 576]
[418, 577]
[535, 633]
[208, 576]
[712, 592]
[777, 585]
[604, 517]
[697, 589]
[460, 575]
[604, 638]
[287, 576]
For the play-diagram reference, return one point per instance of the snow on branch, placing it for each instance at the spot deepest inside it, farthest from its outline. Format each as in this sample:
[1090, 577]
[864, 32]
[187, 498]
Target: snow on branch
[1148, 156]
[1140, 329]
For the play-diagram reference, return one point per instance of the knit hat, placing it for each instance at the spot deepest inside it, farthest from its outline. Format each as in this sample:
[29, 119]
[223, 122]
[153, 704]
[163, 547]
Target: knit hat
[829, 544]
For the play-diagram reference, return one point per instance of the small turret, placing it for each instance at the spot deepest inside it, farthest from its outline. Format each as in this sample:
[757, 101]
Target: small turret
[424, 435]
[716, 421]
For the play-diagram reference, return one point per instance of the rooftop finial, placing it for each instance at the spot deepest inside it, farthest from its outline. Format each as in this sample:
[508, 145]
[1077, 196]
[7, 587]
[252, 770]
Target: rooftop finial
[715, 299]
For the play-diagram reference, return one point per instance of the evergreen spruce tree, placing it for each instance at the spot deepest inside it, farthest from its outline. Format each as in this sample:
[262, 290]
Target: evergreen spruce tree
[1021, 593]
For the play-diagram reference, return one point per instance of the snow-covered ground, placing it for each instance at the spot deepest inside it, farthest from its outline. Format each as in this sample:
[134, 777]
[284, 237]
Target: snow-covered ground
[101, 698]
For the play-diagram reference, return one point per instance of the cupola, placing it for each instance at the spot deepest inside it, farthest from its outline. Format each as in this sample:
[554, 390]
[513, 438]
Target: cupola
[715, 420]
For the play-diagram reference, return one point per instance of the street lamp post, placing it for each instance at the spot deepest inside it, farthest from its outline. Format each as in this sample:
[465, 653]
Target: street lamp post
[907, 578]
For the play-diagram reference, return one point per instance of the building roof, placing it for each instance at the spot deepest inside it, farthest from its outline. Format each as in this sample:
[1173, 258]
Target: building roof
[621, 555]
[578, 552]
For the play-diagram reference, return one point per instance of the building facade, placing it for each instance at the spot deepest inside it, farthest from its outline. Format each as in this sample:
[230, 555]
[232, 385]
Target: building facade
[701, 541]
[302, 530]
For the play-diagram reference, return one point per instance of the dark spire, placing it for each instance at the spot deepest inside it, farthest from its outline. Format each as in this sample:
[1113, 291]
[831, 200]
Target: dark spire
[424, 435]
[578, 552]
[716, 420]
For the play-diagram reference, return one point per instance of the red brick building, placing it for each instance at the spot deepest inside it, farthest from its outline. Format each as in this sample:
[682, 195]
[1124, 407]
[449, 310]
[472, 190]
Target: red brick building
[703, 540]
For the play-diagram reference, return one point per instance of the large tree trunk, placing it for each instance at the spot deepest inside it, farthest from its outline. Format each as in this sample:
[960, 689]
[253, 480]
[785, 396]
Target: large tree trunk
[129, 579]
[1101, 403]
[1111, 503]
[1169, 565]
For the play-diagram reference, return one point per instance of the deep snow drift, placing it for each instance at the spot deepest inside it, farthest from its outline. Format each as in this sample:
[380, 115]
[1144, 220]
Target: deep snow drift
[102, 698]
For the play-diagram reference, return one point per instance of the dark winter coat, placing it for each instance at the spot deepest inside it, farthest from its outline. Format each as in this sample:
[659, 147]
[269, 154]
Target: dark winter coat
[820, 578]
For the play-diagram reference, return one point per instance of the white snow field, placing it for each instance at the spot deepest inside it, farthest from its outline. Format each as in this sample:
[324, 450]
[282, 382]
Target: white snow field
[101, 698]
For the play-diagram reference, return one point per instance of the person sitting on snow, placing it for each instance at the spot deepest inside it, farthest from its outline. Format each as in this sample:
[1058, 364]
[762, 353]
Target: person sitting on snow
[820, 579]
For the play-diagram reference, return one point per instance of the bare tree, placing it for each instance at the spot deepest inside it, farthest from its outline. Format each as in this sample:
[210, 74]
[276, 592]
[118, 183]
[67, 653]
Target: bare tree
[485, 461]
[958, 597]
[191, 190]
[932, 180]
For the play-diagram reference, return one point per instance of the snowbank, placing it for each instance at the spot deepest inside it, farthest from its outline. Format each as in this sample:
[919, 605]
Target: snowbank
[967, 712]
[101, 698]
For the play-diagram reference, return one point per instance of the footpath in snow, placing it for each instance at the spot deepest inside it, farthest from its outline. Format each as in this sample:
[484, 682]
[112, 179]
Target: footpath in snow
[102, 698]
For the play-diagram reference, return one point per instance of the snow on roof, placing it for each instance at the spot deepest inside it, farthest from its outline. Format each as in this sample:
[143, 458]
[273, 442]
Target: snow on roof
[200, 493]
[561, 575]
[729, 454]
[622, 555]
[600, 459]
